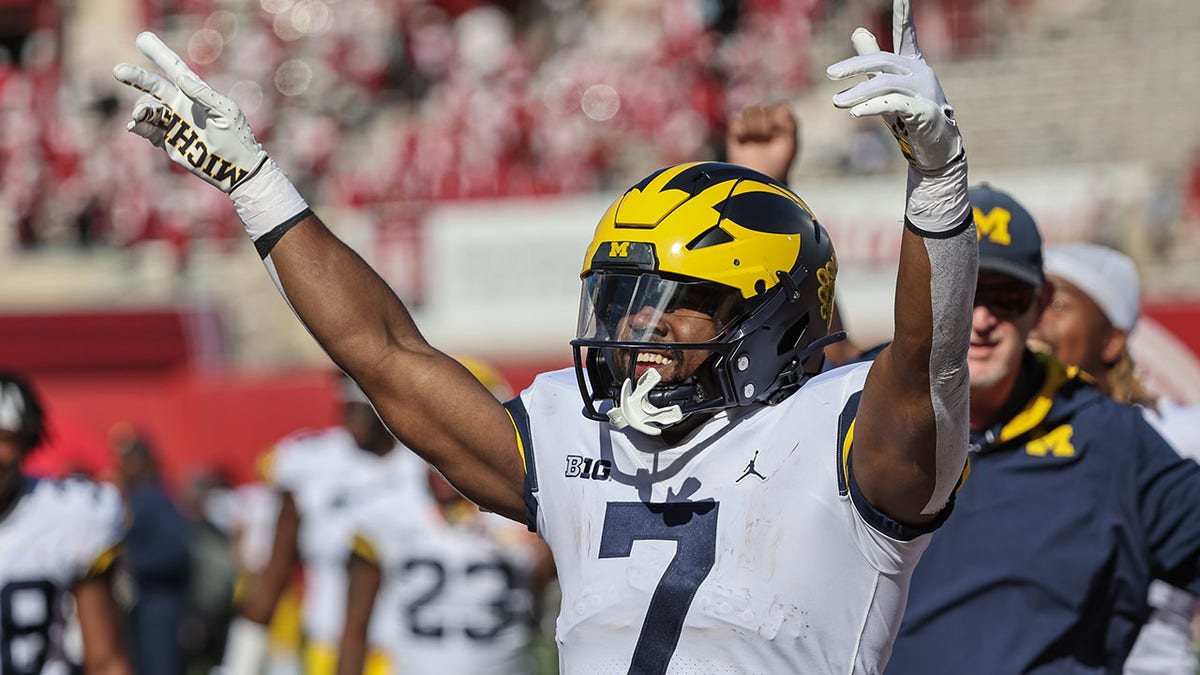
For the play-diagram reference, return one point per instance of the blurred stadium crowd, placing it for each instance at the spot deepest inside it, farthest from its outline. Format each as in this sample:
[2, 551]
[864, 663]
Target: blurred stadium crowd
[487, 95]
[512, 98]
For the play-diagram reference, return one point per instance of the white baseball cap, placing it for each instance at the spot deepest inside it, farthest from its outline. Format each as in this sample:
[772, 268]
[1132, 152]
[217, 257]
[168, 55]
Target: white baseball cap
[1108, 276]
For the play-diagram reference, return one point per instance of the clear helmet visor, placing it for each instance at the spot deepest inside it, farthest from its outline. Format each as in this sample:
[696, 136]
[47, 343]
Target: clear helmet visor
[631, 307]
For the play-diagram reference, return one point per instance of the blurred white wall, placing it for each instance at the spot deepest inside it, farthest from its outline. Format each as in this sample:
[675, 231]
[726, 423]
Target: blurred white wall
[503, 277]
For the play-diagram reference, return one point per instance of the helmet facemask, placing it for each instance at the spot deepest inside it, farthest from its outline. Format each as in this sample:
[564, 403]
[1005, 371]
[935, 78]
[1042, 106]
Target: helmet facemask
[619, 344]
[632, 323]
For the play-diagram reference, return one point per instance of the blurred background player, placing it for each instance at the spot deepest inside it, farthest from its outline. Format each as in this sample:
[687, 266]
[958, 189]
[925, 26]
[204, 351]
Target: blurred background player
[56, 537]
[1094, 310]
[444, 588]
[247, 514]
[319, 474]
[1073, 504]
[158, 556]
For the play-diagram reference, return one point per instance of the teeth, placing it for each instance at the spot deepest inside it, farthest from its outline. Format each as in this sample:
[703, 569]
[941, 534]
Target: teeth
[657, 359]
[1039, 345]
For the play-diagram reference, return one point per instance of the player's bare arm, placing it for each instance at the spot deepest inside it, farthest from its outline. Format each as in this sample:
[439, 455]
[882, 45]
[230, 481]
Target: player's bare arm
[269, 584]
[430, 402]
[99, 624]
[910, 439]
[246, 644]
[364, 579]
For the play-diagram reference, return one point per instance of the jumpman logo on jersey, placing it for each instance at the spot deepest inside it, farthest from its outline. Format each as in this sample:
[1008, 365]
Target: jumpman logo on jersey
[751, 470]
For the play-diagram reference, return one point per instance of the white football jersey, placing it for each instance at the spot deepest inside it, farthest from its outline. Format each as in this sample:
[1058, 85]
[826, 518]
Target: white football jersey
[57, 533]
[254, 521]
[326, 473]
[455, 598]
[743, 549]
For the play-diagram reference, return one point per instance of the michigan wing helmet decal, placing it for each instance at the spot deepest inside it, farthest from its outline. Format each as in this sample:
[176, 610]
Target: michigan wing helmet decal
[711, 221]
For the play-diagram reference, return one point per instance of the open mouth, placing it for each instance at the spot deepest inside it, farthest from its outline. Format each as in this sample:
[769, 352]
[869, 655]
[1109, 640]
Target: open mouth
[654, 359]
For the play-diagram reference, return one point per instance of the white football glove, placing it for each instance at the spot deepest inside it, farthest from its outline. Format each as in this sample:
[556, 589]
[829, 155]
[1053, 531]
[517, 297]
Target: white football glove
[200, 130]
[207, 134]
[904, 90]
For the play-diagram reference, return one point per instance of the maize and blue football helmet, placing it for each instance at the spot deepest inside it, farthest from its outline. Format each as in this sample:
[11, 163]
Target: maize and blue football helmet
[722, 240]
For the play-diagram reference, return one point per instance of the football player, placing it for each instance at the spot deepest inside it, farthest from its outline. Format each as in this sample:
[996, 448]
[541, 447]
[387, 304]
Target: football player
[718, 506]
[444, 588]
[320, 475]
[247, 515]
[56, 537]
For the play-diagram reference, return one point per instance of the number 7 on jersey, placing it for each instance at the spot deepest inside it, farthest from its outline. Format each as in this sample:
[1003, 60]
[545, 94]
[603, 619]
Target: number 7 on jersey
[693, 528]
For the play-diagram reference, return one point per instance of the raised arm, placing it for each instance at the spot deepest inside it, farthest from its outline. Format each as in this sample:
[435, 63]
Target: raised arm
[911, 432]
[430, 402]
[764, 138]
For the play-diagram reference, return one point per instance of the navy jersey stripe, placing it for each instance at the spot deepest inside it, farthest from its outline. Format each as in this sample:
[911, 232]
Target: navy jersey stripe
[847, 485]
[842, 453]
[520, 418]
[884, 523]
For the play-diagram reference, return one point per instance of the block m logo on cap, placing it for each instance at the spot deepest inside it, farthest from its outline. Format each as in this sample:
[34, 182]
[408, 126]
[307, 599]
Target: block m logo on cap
[993, 225]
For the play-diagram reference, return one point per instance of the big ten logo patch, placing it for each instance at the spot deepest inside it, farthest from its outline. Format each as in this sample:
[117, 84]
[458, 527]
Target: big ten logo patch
[993, 225]
[586, 467]
[1056, 443]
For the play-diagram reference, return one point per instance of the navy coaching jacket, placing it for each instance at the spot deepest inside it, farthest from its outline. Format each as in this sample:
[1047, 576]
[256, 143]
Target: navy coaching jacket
[1070, 509]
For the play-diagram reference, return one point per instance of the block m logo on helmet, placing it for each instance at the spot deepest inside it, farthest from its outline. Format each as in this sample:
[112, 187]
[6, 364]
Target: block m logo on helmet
[993, 225]
[639, 255]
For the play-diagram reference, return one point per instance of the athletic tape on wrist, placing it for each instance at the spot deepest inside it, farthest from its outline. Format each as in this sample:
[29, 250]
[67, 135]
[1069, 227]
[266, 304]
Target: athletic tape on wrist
[267, 200]
[938, 204]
